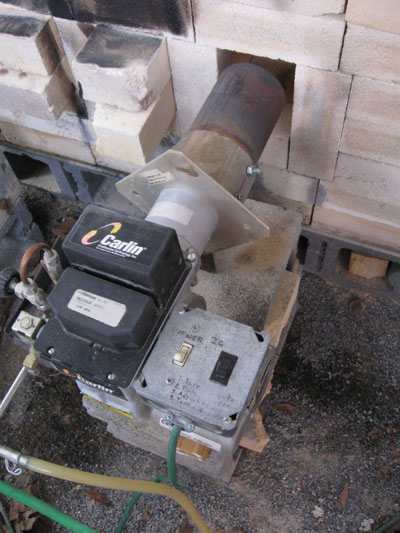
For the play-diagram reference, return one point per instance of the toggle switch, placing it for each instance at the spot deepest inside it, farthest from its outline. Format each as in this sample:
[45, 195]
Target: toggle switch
[182, 354]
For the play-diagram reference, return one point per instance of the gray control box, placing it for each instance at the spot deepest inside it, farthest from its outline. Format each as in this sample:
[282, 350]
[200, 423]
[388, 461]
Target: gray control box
[205, 367]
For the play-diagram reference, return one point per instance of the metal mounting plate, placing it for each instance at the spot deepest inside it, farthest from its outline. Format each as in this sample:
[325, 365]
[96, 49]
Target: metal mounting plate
[172, 169]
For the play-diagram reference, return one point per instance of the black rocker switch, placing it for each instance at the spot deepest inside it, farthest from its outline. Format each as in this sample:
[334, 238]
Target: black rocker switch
[223, 368]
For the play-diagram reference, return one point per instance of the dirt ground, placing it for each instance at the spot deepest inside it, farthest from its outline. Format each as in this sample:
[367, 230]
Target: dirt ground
[333, 463]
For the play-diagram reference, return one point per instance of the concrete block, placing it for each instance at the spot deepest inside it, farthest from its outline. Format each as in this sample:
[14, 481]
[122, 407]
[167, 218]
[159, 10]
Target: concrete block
[133, 137]
[286, 189]
[300, 7]
[384, 15]
[372, 125]
[50, 144]
[371, 54]
[122, 67]
[312, 41]
[29, 44]
[194, 70]
[44, 97]
[328, 256]
[363, 188]
[320, 100]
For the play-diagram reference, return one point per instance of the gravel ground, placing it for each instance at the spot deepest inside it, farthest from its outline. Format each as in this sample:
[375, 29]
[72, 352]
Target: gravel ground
[340, 375]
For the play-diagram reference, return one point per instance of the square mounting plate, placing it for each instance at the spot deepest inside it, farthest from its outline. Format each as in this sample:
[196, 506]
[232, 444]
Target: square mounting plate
[172, 169]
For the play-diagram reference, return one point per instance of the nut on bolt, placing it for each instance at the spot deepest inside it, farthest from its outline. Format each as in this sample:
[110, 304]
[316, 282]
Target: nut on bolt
[253, 170]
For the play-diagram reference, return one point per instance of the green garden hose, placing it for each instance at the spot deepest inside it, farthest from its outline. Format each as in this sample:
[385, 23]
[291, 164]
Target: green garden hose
[44, 508]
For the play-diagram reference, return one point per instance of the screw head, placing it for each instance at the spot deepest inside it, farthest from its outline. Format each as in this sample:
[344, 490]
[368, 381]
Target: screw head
[111, 376]
[51, 350]
[195, 328]
[168, 381]
[227, 420]
[191, 256]
[169, 418]
[190, 427]
[182, 311]
[26, 323]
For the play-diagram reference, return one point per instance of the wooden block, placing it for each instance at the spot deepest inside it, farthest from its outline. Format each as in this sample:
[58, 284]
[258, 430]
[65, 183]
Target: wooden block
[371, 53]
[29, 44]
[282, 305]
[192, 449]
[121, 67]
[255, 437]
[367, 267]
[317, 121]
[313, 41]
[300, 7]
[372, 125]
[383, 15]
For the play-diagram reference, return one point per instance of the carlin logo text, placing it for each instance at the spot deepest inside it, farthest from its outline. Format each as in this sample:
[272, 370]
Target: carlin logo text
[109, 243]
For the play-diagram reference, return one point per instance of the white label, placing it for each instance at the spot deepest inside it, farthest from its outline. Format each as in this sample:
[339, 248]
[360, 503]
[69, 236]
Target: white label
[194, 437]
[177, 212]
[97, 307]
[156, 176]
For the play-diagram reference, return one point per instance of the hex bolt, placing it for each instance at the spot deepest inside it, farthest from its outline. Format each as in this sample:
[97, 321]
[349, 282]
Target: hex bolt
[51, 350]
[252, 170]
[111, 377]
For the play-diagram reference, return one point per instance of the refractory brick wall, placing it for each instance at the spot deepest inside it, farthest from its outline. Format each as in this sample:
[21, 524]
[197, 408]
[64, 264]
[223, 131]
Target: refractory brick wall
[103, 82]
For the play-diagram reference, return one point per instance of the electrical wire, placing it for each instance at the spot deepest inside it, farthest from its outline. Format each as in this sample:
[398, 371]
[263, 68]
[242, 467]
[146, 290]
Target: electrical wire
[27, 257]
[389, 525]
[132, 502]
[44, 508]
[171, 476]
[171, 455]
[7, 522]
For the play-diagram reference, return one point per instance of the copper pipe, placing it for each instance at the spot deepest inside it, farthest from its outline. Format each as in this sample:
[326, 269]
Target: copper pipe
[27, 257]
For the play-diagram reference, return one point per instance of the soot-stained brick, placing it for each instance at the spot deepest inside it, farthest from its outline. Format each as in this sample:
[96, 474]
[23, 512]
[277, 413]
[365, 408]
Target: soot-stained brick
[173, 16]
[116, 48]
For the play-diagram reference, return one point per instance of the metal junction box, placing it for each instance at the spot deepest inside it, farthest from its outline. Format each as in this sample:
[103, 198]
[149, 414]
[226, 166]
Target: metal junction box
[206, 368]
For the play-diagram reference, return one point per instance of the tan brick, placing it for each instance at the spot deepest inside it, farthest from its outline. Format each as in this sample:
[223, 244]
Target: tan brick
[29, 44]
[372, 125]
[195, 70]
[371, 53]
[44, 97]
[133, 137]
[286, 189]
[320, 100]
[359, 228]
[363, 188]
[300, 7]
[383, 15]
[43, 142]
[312, 41]
[276, 152]
[123, 67]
